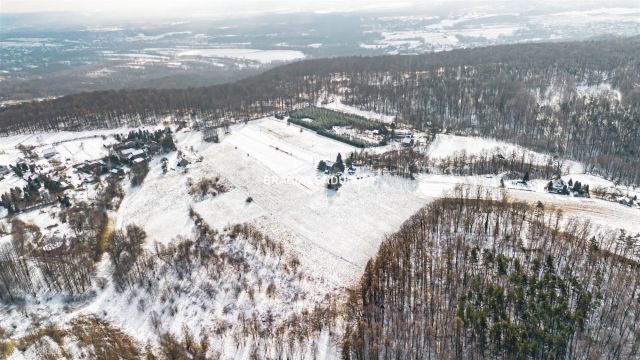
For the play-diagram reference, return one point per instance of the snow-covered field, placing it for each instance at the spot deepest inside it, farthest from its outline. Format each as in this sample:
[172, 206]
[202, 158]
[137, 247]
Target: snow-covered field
[42, 139]
[604, 214]
[261, 56]
[446, 145]
[443, 38]
[335, 233]
[332, 234]
[605, 15]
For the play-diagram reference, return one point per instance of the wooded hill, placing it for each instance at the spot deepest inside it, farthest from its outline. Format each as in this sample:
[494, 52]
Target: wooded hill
[475, 276]
[523, 93]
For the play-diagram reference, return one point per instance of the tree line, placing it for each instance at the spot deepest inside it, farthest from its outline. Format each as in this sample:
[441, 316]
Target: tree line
[499, 92]
[516, 164]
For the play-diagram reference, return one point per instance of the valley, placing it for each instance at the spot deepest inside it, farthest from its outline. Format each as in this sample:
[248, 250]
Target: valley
[332, 234]
[329, 180]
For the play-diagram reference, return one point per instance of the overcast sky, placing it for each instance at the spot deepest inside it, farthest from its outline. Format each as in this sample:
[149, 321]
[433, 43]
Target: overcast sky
[221, 8]
[207, 7]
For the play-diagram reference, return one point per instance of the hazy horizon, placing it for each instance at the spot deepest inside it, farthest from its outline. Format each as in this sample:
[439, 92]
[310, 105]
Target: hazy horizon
[57, 48]
[149, 9]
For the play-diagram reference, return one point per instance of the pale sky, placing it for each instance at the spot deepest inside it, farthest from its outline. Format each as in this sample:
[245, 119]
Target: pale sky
[195, 7]
[222, 8]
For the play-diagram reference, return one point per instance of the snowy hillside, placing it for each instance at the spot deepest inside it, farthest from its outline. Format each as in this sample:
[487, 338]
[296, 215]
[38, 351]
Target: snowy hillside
[275, 165]
[323, 240]
[241, 247]
[446, 145]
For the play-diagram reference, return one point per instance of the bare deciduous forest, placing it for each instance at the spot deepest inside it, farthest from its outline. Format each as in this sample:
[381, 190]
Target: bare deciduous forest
[491, 92]
[407, 163]
[474, 275]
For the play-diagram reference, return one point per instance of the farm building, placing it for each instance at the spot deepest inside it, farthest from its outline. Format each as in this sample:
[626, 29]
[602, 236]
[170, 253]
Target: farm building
[49, 152]
[558, 186]
[401, 134]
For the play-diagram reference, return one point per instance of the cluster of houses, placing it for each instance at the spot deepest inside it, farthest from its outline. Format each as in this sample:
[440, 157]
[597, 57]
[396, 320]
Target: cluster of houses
[42, 185]
[132, 155]
[47, 176]
[130, 152]
[135, 151]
